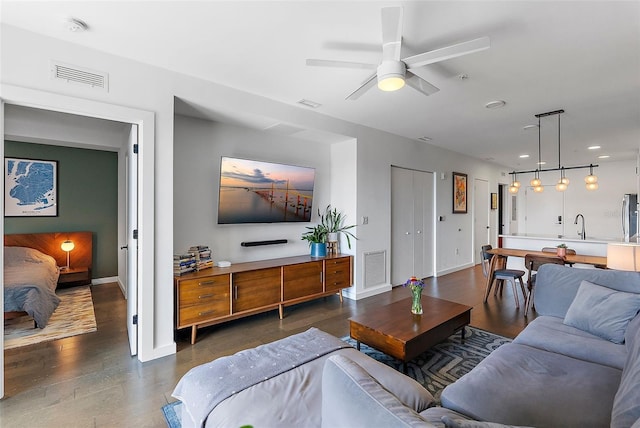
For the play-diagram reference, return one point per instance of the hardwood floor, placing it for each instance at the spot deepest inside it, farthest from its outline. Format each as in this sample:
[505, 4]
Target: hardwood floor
[91, 381]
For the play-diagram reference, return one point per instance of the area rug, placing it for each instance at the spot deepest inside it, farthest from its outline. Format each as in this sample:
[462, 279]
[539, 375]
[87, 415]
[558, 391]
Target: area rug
[434, 369]
[73, 316]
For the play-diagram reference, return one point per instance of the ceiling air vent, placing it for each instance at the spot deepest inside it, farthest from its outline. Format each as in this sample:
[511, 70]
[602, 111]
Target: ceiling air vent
[80, 76]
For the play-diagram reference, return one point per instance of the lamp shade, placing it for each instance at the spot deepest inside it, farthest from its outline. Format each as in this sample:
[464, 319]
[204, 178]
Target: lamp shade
[623, 257]
[67, 246]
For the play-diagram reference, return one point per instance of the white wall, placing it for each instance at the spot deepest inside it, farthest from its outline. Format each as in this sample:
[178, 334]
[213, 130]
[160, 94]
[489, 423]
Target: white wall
[197, 165]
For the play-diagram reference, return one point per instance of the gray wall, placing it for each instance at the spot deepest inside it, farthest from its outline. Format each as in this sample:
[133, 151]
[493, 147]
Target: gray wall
[87, 199]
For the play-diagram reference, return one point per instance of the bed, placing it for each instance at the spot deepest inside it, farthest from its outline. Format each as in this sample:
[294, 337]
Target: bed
[31, 271]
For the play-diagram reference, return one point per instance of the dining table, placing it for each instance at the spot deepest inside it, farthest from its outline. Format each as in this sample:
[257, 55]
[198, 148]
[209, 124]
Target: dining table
[500, 255]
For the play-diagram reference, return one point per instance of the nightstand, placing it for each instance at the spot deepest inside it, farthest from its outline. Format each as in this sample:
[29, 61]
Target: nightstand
[75, 276]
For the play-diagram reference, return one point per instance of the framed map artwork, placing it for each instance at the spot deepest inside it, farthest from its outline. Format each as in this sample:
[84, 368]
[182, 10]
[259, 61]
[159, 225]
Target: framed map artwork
[31, 188]
[459, 193]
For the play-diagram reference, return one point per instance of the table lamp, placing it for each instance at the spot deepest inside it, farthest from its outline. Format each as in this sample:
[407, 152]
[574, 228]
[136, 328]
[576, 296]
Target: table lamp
[67, 246]
[623, 256]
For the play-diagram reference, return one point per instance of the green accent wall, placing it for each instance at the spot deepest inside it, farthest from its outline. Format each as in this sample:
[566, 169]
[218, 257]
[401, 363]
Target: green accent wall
[87, 199]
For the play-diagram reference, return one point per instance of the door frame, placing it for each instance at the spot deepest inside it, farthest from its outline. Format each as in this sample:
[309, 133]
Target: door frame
[145, 120]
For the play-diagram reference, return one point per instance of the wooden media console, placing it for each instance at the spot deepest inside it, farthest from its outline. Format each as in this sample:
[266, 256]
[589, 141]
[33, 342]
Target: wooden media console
[215, 295]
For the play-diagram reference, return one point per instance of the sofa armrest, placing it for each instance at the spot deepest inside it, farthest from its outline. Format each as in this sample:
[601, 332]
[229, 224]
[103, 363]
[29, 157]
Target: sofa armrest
[352, 398]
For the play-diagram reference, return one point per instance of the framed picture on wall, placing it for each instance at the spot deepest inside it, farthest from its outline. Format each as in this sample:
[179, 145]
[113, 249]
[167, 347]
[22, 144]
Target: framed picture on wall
[459, 193]
[31, 188]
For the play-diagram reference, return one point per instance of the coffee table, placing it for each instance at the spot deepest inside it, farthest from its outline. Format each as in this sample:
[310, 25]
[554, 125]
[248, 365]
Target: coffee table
[394, 330]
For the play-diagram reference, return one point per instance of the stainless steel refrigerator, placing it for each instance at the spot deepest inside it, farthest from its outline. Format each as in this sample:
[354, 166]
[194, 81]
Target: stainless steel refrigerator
[630, 217]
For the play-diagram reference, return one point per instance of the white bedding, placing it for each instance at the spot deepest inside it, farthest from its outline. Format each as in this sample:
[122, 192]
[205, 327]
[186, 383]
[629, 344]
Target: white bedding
[30, 280]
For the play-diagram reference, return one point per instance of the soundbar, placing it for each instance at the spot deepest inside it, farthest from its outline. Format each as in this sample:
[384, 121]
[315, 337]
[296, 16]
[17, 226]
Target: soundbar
[258, 243]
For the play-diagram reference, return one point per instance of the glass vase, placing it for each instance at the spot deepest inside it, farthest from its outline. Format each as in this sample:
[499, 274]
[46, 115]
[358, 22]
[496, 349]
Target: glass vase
[416, 300]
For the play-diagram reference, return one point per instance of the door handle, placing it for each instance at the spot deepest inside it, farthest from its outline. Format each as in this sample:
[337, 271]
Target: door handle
[124, 247]
[487, 227]
[407, 233]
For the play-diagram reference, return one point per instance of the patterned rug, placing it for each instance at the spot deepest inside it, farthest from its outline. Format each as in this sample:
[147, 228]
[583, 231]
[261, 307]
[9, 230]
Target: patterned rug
[434, 369]
[73, 316]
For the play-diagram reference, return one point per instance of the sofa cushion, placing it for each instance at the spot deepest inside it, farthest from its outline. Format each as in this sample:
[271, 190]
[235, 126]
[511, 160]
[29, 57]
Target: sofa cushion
[450, 422]
[556, 286]
[521, 385]
[352, 398]
[602, 311]
[551, 334]
[626, 405]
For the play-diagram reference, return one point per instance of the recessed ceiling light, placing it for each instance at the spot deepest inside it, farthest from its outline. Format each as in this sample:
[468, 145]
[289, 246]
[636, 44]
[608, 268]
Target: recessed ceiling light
[463, 76]
[425, 138]
[593, 147]
[76, 25]
[604, 157]
[524, 156]
[542, 163]
[495, 104]
[309, 103]
[529, 127]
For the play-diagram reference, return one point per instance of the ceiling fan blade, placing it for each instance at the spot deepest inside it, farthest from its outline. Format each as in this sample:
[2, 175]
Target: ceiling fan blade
[366, 85]
[391, 33]
[340, 64]
[421, 85]
[449, 52]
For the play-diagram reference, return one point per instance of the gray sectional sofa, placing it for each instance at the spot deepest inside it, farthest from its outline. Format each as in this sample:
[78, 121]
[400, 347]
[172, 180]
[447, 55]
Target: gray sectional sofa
[576, 365]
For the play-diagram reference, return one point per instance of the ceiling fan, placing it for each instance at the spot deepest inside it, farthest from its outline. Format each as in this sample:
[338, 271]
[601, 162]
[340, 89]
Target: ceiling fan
[392, 73]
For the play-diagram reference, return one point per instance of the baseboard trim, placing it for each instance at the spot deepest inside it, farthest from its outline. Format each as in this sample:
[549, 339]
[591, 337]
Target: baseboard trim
[454, 269]
[352, 294]
[106, 280]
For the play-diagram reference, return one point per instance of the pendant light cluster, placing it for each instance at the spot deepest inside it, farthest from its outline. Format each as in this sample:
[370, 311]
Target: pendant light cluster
[591, 180]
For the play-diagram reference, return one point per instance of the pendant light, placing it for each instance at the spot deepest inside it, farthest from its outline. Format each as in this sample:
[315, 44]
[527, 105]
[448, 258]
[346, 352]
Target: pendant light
[591, 180]
[563, 183]
[515, 184]
[536, 183]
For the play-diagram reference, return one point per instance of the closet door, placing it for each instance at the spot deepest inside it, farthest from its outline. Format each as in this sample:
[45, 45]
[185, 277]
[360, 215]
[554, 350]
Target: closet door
[411, 224]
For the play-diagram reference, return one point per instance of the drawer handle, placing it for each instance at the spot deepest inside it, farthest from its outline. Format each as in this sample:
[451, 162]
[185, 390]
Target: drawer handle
[205, 296]
[206, 312]
[206, 282]
[337, 271]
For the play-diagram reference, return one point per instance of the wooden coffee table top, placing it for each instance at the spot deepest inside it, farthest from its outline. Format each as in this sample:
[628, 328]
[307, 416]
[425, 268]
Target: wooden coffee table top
[394, 330]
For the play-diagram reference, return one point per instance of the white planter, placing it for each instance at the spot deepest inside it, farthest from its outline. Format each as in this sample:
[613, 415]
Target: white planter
[332, 237]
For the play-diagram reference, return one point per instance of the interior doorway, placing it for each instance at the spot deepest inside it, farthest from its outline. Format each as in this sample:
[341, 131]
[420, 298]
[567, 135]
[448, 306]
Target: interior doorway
[145, 120]
[481, 226]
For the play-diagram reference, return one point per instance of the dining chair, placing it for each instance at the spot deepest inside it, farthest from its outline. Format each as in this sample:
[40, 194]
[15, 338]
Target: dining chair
[501, 275]
[533, 262]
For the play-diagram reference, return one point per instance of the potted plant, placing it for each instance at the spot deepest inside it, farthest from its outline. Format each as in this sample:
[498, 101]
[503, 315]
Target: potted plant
[317, 237]
[333, 221]
[561, 250]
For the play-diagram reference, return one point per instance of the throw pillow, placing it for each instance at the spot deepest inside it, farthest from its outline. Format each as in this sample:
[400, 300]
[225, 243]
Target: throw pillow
[602, 311]
[465, 423]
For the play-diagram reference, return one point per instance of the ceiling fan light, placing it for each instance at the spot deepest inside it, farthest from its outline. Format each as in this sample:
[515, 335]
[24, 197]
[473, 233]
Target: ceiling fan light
[391, 75]
[390, 84]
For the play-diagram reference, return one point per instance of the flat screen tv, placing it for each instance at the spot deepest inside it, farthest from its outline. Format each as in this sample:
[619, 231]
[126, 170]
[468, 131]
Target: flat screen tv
[264, 192]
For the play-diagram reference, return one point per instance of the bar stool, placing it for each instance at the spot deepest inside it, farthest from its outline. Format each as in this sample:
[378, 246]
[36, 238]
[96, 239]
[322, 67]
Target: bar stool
[501, 275]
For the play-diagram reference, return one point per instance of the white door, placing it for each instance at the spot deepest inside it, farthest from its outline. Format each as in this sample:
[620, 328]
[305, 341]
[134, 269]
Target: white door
[402, 242]
[411, 224]
[480, 216]
[132, 240]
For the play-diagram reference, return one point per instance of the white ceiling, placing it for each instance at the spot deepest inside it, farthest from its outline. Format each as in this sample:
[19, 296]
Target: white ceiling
[583, 57]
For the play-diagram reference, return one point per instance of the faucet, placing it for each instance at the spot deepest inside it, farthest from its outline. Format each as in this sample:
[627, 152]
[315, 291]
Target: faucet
[583, 234]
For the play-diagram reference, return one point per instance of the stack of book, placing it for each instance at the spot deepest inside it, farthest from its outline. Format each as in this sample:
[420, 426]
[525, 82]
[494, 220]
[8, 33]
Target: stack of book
[202, 254]
[183, 263]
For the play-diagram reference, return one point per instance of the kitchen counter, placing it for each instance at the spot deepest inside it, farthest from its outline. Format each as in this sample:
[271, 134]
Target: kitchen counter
[591, 246]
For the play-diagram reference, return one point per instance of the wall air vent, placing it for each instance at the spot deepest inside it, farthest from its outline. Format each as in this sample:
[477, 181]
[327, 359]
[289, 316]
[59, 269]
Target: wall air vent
[79, 76]
[375, 268]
